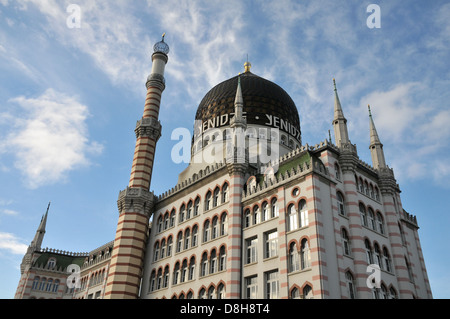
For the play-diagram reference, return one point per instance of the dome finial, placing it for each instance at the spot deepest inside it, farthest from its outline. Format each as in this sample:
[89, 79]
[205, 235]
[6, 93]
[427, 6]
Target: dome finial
[247, 66]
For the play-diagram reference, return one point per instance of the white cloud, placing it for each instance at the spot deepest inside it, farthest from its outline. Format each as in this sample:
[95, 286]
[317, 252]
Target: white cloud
[49, 137]
[12, 244]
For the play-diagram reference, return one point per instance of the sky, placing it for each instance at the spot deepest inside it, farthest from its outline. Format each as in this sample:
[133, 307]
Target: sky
[72, 86]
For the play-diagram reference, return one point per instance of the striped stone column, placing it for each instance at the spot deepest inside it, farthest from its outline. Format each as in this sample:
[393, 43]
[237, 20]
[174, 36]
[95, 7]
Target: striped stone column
[135, 203]
[234, 254]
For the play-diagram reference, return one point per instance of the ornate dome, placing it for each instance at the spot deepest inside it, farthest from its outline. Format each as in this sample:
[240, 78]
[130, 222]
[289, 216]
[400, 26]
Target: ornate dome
[265, 103]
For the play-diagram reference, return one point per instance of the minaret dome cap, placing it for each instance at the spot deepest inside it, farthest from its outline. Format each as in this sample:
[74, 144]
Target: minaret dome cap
[161, 46]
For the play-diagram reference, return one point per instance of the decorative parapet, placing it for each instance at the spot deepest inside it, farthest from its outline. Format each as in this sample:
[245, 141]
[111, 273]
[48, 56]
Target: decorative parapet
[202, 174]
[409, 218]
[63, 252]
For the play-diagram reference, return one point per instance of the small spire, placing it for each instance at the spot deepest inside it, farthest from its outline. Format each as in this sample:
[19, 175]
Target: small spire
[239, 100]
[374, 139]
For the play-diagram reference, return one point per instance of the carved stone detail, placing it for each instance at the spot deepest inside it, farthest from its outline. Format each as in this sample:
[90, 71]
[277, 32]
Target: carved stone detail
[148, 127]
[136, 200]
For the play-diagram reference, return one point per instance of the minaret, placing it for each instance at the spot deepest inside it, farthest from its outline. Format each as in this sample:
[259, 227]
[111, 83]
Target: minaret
[376, 148]
[339, 121]
[237, 163]
[135, 202]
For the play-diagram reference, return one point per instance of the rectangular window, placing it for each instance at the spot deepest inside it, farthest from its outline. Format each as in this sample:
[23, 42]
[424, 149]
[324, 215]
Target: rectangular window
[251, 287]
[251, 250]
[271, 243]
[271, 284]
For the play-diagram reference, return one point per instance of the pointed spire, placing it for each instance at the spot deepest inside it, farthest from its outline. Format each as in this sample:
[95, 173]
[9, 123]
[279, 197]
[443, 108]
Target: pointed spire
[39, 237]
[376, 148]
[338, 113]
[374, 139]
[339, 122]
[239, 100]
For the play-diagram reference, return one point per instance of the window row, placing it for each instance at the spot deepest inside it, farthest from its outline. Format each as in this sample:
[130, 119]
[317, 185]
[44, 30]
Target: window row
[258, 215]
[270, 247]
[192, 208]
[44, 284]
[185, 271]
[189, 238]
[367, 188]
[377, 293]
[299, 257]
[271, 286]
[297, 217]
[211, 293]
[376, 256]
[371, 220]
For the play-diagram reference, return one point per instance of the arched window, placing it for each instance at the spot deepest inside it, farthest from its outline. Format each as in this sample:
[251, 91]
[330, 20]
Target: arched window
[304, 221]
[345, 242]
[223, 224]
[172, 218]
[371, 219]
[56, 285]
[206, 231]
[179, 241]
[366, 188]
[305, 256]
[42, 284]
[204, 265]
[187, 238]
[159, 279]
[182, 213]
[340, 202]
[49, 285]
[184, 271]
[350, 285]
[194, 235]
[265, 211]
[215, 227]
[377, 255]
[380, 223]
[307, 292]
[222, 259]
[169, 246]
[410, 273]
[166, 277]
[362, 211]
[294, 264]
[202, 294]
[225, 193]
[216, 196]
[208, 200]
[247, 218]
[369, 255]
[387, 260]
[292, 217]
[361, 185]
[211, 292]
[176, 273]
[153, 281]
[160, 224]
[192, 268]
[274, 208]
[337, 171]
[197, 206]
[295, 293]
[166, 221]
[256, 215]
[213, 262]
[392, 293]
[36, 283]
[383, 292]
[189, 210]
[163, 248]
[156, 252]
[221, 291]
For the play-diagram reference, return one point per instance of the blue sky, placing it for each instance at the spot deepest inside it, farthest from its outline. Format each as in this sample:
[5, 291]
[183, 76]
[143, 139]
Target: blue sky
[70, 99]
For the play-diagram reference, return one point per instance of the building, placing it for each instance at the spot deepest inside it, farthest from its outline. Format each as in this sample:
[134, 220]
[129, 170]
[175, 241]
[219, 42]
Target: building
[256, 214]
